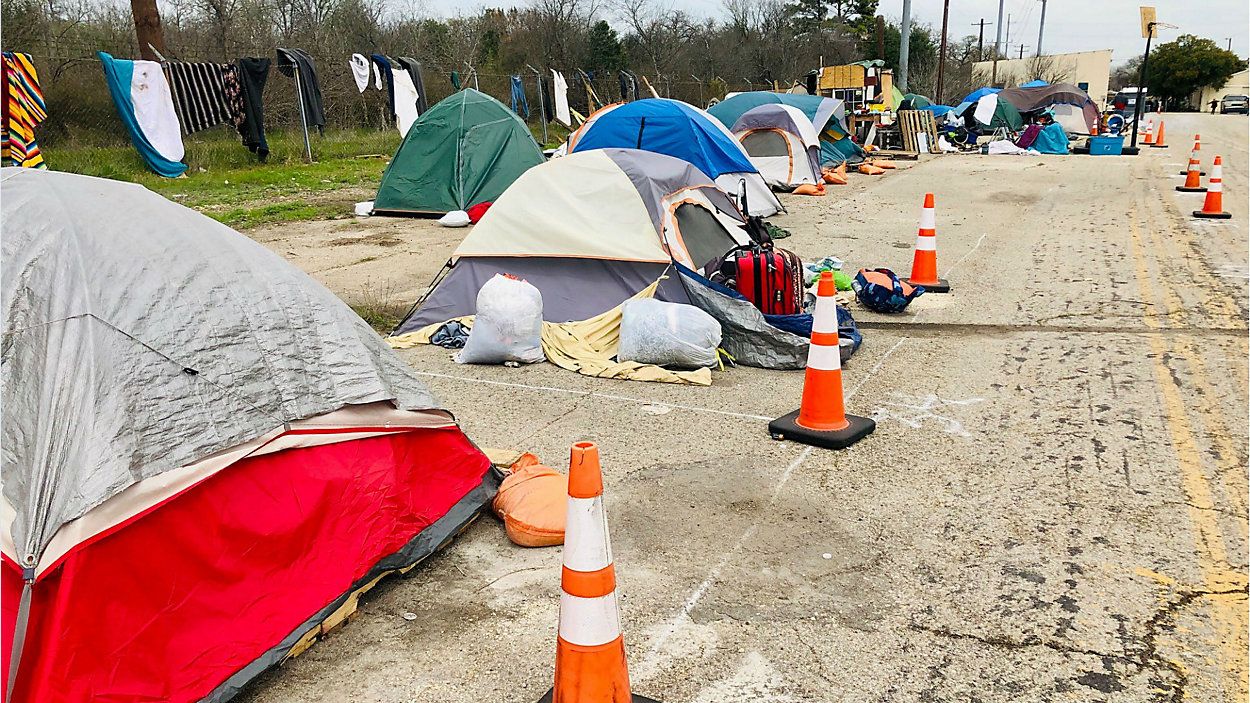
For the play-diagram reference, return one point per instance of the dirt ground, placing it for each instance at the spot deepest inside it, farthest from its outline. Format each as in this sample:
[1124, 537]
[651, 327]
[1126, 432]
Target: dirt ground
[1053, 506]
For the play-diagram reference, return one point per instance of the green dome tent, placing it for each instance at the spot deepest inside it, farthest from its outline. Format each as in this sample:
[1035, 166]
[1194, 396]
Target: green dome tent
[467, 149]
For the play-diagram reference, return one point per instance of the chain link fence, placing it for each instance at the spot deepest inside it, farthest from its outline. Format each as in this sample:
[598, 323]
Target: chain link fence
[81, 113]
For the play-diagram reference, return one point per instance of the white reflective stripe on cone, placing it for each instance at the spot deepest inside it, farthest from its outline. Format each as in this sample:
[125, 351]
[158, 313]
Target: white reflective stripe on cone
[825, 317]
[928, 218]
[926, 243]
[824, 357]
[1215, 187]
[587, 546]
[589, 622]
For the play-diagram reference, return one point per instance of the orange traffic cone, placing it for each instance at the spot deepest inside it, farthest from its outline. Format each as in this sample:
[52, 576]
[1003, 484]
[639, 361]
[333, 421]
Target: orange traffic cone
[1195, 156]
[1213, 207]
[924, 261]
[1159, 138]
[821, 419]
[1150, 135]
[590, 650]
[1193, 182]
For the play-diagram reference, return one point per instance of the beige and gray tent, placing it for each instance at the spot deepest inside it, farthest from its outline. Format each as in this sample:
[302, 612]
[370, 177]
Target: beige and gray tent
[782, 143]
[589, 230]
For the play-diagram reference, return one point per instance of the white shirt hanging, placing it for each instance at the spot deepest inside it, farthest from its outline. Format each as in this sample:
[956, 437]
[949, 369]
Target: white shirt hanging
[560, 92]
[360, 71]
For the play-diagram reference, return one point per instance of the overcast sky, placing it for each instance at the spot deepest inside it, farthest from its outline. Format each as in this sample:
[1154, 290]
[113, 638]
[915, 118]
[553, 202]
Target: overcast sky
[1071, 25]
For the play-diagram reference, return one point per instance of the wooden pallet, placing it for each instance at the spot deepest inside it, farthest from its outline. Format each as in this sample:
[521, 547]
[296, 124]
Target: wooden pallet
[915, 122]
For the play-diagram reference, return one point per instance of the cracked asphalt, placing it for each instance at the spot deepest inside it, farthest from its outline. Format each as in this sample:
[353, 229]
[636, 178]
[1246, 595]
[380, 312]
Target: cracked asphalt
[1053, 506]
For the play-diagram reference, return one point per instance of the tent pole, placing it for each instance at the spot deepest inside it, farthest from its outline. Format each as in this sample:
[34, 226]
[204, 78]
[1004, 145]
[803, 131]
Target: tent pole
[303, 119]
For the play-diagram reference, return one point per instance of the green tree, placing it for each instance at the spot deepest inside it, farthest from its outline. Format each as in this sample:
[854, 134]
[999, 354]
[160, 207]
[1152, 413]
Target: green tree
[603, 48]
[808, 15]
[922, 57]
[1179, 68]
[857, 16]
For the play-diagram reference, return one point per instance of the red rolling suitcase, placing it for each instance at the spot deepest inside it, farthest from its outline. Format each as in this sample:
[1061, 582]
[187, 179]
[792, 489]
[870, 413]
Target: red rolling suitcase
[772, 279]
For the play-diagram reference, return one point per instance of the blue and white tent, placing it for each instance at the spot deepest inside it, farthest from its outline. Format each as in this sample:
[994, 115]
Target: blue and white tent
[676, 129]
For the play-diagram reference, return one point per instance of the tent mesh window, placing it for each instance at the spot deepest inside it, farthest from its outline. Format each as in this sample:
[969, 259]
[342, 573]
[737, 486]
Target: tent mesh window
[766, 143]
[704, 236]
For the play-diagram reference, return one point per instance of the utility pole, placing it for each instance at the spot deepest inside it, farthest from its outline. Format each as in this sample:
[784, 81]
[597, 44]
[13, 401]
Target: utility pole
[881, 37]
[946, 9]
[980, 39]
[1041, 27]
[904, 46]
[1230, 44]
[1150, 24]
[1022, 48]
[998, 43]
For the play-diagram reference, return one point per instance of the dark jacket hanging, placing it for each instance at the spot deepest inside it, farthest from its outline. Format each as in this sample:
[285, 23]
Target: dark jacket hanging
[253, 73]
[291, 60]
[383, 65]
[578, 100]
[413, 67]
[549, 108]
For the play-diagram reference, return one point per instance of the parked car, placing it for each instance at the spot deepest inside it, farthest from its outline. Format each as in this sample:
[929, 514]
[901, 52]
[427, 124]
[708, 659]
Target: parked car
[1235, 103]
[1125, 103]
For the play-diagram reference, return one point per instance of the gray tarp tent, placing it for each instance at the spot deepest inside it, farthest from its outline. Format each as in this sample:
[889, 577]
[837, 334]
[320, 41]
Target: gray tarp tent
[204, 452]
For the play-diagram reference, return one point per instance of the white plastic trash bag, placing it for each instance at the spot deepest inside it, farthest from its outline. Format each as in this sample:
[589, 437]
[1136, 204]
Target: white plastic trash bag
[455, 218]
[667, 334]
[508, 325]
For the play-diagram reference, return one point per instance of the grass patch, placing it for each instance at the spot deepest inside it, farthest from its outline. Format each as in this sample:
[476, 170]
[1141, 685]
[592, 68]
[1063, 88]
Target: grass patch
[379, 308]
[225, 182]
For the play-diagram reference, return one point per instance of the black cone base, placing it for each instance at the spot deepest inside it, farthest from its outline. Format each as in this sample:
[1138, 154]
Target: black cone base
[942, 286]
[1186, 173]
[1197, 189]
[1159, 146]
[785, 427]
[636, 698]
[1213, 215]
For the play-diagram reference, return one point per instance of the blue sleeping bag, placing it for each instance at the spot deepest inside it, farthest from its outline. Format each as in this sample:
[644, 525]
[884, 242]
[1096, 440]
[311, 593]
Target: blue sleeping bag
[1051, 140]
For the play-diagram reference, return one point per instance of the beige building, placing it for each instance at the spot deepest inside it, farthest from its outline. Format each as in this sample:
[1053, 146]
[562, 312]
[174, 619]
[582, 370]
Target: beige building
[1089, 70]
[1238, 84]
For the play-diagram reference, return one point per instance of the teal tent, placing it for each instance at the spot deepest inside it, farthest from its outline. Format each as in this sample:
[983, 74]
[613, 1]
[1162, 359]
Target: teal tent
[827, 116]
[467, 149]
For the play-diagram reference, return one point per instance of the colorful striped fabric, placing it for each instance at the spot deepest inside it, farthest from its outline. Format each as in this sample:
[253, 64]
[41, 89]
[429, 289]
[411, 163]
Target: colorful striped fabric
[24, 109]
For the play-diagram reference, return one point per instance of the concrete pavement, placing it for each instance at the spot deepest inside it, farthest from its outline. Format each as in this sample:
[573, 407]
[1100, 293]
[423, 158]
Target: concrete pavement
[1053, 506]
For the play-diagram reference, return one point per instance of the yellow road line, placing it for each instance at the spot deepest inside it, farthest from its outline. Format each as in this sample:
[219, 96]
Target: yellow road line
[1230, 468]
[1228, 614]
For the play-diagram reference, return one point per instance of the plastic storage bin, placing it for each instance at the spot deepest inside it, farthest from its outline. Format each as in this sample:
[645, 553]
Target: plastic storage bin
[1106, 146]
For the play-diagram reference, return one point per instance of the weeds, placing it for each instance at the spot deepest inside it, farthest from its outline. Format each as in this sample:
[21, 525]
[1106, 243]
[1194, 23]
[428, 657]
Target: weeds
[379, 307]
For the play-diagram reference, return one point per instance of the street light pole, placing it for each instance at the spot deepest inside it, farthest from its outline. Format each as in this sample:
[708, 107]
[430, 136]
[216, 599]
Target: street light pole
[1141, 84]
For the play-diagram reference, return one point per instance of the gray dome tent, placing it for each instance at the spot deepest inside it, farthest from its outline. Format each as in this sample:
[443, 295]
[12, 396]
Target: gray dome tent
[175, 395]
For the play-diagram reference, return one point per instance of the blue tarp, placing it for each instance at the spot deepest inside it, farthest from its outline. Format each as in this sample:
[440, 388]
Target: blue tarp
[1051, 140]
[938, 110]
[667, 127]
[119, 73]
[1035, 83]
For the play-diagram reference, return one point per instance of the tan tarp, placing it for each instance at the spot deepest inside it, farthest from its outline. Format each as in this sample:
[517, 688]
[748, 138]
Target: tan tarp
[585, 346]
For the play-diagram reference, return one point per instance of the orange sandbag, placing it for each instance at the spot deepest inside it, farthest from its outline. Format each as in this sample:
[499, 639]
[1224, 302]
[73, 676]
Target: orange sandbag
[870, 170]
[532, 503]
[809, 189]
[882, 163]
[835, 176]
